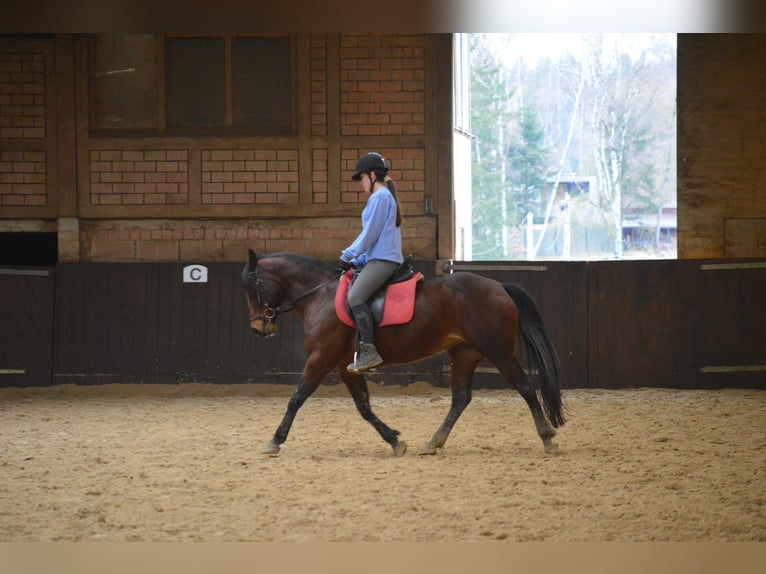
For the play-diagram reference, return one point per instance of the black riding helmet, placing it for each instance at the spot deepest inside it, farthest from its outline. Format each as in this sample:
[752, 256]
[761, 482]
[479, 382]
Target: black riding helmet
[370, 162]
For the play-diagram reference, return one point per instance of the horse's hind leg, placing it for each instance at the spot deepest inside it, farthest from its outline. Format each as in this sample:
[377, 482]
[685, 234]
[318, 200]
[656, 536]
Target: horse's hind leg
[526, 388]
[357, 386]
[463, 362]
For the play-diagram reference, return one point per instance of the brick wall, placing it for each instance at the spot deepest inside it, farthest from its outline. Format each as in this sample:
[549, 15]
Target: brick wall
[407, 169]
[249, 176]
[209, 197]
[23, 172]
[22, 178]
[228, 177]
[319, 85]
[382, 85]
[319, 175]
[138, 177]
[22, 95]
[378, 86]
[229, 240]
[238, 178]
[366, 92]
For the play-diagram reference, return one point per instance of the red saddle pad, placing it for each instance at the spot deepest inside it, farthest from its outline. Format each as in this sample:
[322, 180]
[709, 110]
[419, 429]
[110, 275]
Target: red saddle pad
[399, 305]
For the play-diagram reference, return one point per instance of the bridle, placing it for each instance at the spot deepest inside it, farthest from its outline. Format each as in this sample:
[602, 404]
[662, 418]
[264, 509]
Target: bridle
[268, 312]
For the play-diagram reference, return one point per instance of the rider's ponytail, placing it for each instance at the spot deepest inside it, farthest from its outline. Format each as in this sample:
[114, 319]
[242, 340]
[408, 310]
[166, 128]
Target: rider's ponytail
[389, 183]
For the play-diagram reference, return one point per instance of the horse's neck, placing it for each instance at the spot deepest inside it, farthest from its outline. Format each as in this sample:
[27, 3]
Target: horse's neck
[294, 278]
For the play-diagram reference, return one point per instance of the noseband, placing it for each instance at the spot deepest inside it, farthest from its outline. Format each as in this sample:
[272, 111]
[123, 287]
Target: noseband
[268, 313]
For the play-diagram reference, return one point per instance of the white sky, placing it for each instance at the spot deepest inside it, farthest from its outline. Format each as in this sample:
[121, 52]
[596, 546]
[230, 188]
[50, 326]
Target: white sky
[531, 47]
[592, 15]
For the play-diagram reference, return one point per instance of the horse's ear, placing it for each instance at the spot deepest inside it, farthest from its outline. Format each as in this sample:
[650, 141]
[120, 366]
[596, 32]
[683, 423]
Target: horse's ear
[252, 260]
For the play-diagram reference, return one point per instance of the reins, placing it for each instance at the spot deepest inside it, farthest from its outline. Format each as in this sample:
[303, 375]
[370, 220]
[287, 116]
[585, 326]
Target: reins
[270, 313]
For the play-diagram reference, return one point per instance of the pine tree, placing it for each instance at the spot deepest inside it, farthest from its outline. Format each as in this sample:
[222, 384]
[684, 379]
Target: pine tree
[528, 161]
[489, 105]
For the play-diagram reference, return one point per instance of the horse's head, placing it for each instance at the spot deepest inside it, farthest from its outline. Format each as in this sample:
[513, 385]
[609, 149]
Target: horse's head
[264, 295]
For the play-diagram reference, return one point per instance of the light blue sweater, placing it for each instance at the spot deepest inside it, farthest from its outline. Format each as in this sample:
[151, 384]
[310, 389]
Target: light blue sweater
[380, 237]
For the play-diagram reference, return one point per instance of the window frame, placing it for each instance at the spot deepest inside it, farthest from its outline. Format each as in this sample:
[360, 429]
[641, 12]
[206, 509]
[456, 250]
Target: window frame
[161, 128]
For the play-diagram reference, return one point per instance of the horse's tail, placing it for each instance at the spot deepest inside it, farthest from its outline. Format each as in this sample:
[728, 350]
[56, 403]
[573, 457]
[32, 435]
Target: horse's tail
[540, 352]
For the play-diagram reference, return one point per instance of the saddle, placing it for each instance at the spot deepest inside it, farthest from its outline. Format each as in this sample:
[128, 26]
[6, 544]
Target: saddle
[392, 304]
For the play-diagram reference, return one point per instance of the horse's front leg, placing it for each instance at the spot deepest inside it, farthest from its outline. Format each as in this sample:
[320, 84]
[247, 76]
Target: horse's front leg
[313, 375]
[357, 386]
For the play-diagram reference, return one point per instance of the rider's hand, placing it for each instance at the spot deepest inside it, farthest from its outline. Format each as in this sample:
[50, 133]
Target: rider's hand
[345, 265]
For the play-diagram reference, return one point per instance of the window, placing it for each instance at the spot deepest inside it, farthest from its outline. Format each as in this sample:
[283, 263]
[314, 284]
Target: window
[261, 82]
[192, 84]
[124, 82]
[195, 80]
[574, 149]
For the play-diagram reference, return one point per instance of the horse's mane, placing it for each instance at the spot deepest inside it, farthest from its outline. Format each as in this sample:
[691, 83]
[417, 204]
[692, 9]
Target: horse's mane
[310, 263]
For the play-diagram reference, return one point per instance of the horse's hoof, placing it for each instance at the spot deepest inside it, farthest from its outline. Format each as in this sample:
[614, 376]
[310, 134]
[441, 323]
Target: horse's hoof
[270, 449]
[400, 448]
[551, 448]
[428, 449]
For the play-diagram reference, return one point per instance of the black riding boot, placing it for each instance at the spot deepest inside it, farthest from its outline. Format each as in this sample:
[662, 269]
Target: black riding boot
[367, 355]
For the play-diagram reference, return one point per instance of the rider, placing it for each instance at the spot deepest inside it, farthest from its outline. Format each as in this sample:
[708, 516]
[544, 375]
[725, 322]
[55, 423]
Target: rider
[376, 252]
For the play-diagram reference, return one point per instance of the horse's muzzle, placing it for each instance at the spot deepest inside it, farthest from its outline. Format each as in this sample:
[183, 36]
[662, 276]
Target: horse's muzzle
[262, 327]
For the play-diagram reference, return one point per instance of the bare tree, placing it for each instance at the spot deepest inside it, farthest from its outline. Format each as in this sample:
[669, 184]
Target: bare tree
[624, 131]
[605, 103]
[561, 164]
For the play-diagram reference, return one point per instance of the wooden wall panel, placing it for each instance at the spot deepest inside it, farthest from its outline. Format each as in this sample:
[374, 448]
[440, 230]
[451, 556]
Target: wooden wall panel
[134, 322]
[140, 322]
[721, 148]
[26, 326]
[679, 324]
[745, 237]
[675, 324]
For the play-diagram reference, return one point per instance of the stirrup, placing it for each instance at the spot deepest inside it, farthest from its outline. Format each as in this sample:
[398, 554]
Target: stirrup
[370, 353]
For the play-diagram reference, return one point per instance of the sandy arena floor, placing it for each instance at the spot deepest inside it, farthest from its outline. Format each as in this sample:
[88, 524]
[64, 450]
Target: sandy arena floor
[182, 463]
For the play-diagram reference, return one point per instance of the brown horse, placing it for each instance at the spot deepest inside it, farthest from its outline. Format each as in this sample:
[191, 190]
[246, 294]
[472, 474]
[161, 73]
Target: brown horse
[469, 316]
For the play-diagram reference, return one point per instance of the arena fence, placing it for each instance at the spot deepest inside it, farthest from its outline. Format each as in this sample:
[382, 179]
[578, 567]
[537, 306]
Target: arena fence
[677, 324]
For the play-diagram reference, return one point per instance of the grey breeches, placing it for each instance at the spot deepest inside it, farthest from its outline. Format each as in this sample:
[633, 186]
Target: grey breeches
[369, 280]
